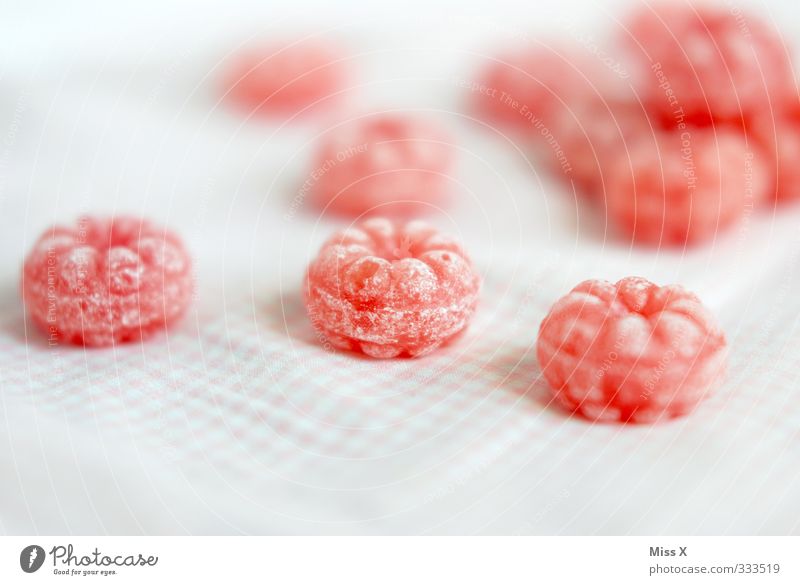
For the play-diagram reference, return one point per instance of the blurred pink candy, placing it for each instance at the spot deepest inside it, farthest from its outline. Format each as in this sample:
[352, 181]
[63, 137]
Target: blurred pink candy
[383, 164]
[284, 79]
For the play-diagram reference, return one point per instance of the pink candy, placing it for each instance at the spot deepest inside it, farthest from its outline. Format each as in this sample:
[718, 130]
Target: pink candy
[577, 111]
[530, 86]
[391, 289]
[285, 79]
[105, 281]
[382, 164]
[778, 135]
[630, 351]
[708, 63]
[685, 188]
[593, 134]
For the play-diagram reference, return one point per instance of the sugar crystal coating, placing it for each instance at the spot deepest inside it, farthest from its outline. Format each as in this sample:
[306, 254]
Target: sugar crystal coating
[630, 351]
[390, 288]
[105, 281]
[382, 164]
[286, 78]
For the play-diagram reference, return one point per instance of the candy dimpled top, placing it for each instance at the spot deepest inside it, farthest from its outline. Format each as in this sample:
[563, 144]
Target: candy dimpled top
[631, 351]
[106, 280]
[391, 289]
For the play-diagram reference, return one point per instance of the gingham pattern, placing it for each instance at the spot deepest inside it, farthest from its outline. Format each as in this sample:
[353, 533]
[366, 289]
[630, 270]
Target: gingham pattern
[260, 406]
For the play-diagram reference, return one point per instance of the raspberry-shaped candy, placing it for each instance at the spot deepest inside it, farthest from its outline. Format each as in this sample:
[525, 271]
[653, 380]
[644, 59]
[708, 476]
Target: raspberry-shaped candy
[779, 135]
[591, 136]
[631, 351]
[526, 88]
[522, 86]
[104, 281]
[577, 110]
[285, 79]
[709, 63]
[685, 187]
[391, 289]
[382, 164]
[786, 153]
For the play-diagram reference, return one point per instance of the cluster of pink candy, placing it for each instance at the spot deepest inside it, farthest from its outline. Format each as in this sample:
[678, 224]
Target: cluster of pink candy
[629, 352]
[708, 125]
[693, 122]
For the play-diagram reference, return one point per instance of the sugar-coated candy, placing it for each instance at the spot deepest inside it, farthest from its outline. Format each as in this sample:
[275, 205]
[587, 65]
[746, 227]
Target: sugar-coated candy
[704, 63]
[382, 164]
[631, 351]
[282, 79]
[388, 288]
[685, 187]
[104, 281]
